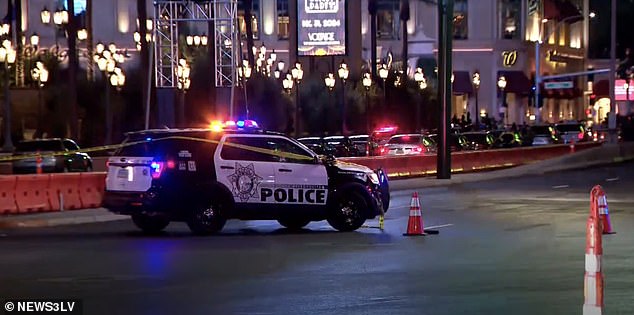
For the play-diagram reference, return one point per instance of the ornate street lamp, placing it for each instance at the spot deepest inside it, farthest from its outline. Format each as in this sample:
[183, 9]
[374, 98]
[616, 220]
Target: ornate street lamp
[367, 83]
[383, 74]
[343, 73]
[502, 85]
[45, 16]
[476, 86]
[419, 77]
[287, 83]
[297, 74]
[34, 40]
[183, 72]
[40, 75]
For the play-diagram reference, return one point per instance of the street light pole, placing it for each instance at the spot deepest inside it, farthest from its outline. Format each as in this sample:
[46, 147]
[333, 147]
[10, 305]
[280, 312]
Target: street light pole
[476, 85]
[343, 75]
[502, 85]
[367, 82]
[8, 144]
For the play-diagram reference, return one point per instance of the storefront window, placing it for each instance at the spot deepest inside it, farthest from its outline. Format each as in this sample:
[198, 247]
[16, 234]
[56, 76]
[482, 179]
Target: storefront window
[460, 25]
[255, 18]
[387, 19]
[282, 19]
[510, 18]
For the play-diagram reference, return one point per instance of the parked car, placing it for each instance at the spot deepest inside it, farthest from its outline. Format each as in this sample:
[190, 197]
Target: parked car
[479, 140]
[456, 142]
[341, 146]
[542, 135]
[362, 143]
[58, 155]
[569, 132]
[314, 143]
[379, 137]
[407, 144]
[508, 139]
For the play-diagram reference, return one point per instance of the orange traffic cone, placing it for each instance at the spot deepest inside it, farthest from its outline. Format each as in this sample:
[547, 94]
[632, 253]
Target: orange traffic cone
[415, 225]
[604, 214]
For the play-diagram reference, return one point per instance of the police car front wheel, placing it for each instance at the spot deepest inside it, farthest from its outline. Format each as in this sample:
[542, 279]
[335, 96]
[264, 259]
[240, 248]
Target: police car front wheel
[149, 224]
[348, 212]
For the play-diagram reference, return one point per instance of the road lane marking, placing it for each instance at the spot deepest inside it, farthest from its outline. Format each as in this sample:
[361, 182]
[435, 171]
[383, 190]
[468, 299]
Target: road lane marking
[439, 226]
[560, 199]
[611, 179]
[560, 186]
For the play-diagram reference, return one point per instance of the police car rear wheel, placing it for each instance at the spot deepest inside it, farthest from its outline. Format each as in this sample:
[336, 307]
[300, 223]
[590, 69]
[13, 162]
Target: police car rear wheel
[293, 223]
[206, 219]
[347, 215]
[149, 224]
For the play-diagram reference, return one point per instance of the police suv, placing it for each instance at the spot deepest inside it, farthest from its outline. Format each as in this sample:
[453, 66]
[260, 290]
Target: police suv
[206, 176]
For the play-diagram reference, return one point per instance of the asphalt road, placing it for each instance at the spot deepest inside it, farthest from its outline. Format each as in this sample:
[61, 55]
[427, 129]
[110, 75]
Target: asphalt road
[514, 246]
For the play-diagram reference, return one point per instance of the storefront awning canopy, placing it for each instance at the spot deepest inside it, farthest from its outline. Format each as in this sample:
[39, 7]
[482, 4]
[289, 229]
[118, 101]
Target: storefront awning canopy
[601, 89]
[516, 82]
[462, 82]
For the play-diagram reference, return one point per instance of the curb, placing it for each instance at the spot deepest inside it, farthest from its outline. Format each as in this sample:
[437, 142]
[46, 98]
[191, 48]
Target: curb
[19, 222]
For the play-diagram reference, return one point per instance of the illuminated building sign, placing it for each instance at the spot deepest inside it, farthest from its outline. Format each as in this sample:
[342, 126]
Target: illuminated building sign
[509, 58]
[621, 91]
[321, 27]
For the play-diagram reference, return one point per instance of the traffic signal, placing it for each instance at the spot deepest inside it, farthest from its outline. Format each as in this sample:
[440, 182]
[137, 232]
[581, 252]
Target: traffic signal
[593, 99]
[590, 75]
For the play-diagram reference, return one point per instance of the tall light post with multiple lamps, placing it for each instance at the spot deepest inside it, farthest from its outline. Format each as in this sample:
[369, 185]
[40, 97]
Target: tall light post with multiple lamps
[343, 73]
[39, 74]
[502, 85]
[7, 57]
[419, 77]
[383, 74]
[107, 60]
[367, 83]
[330, 82]
[182, 74]
[476, 87]
[297, 73]
[244, 74]
[287, 83]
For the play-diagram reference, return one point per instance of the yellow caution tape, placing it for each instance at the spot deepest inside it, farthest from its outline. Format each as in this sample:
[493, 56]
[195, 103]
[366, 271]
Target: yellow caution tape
[276, 153]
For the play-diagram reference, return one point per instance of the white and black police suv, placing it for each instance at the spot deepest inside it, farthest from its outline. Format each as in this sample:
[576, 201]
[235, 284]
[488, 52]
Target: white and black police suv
[206, 176]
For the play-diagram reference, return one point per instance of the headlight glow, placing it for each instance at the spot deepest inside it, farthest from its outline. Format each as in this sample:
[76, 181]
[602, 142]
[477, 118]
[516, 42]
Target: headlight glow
[373, 178]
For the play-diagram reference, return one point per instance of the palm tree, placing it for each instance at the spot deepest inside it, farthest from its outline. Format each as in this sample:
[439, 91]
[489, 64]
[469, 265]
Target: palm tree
[404, 16]
[372, 10]
[248, 18]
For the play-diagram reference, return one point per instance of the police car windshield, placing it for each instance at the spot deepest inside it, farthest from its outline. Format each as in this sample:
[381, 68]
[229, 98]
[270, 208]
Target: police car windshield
[303, 146]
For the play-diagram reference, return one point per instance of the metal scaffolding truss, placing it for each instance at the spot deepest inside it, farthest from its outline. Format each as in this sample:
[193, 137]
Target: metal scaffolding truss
[167, 14]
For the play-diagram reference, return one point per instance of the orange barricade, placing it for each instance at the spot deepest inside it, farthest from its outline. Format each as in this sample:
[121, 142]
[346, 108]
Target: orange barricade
[91, 188]
[64, 191]
[31, 193]
[7, 195]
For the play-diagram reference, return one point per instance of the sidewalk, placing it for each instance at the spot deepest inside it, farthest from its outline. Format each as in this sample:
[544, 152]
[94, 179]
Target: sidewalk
[603, 155]
[48, 219]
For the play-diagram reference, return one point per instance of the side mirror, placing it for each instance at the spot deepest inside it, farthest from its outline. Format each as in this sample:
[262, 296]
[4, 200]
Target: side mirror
[316, 160]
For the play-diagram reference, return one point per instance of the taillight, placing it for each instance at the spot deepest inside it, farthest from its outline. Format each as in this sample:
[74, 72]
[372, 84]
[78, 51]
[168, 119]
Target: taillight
[419, 149]
[580, 136]
[157, 168]
[171, 164]
[382, 150]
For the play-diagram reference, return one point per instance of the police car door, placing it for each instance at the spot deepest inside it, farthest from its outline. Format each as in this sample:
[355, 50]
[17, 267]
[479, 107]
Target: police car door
[299, 179]
[243, 166]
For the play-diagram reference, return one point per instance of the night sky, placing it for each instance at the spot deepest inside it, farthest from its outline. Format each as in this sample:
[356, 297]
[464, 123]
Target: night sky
[599, 46]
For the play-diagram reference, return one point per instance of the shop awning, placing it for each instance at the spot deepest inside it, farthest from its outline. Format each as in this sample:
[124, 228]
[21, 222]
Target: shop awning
[601, 89]
[462, 82]
[516, 82]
